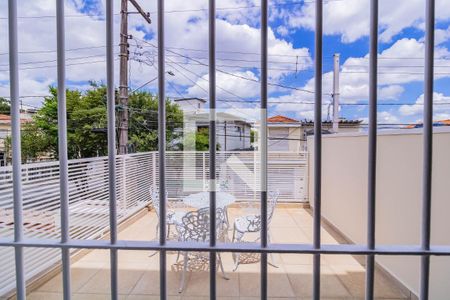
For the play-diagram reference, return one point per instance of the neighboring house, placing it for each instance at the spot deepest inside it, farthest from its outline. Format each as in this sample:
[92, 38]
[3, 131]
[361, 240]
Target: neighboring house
[232, 131]
[284, 134]
[5, 131]
[287, 134]
[190, 104]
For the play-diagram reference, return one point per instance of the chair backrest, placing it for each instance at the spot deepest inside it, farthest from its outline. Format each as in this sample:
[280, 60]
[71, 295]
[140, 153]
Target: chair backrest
[195, 225]
[222, 185]
[272, 200]
[254, 223]
[154, 197]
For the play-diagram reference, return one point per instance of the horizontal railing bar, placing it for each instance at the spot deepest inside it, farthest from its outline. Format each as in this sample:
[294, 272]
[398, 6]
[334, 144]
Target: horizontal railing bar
[414, 250]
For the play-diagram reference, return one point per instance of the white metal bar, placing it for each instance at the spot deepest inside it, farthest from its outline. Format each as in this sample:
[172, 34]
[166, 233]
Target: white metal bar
[111, 144]
[372, 159]
[427, 147]
[62, 146]
[264, 150]
[344, 249]
[16, 148]
[317, 146]
[212, 147]
[162, 149]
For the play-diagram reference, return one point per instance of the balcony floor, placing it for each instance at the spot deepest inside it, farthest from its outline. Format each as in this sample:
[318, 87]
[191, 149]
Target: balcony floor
[342, 275]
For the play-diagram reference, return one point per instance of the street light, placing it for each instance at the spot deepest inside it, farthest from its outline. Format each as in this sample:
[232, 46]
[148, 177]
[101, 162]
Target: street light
[150, 81]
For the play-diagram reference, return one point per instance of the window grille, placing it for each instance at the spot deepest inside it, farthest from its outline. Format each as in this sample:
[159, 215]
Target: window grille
[65, 244]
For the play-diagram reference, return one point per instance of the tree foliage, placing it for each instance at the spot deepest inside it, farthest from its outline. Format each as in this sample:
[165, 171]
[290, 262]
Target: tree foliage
[87, 123]
[143, 123]
[5, 108]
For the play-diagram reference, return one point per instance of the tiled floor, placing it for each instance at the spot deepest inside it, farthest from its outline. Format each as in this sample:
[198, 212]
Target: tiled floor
[342, 275]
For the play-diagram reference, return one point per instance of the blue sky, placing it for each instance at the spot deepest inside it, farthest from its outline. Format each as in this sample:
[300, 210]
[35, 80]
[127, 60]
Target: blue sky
[291, 53]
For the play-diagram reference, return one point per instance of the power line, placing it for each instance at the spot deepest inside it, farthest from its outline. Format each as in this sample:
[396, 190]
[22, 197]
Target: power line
[394, 73]
[246, 60]
[231, 93]
[200, 77]
[54, 60]
[175, 11]
[235, 75]
[54, 66]
[52, 51]
[408, 66]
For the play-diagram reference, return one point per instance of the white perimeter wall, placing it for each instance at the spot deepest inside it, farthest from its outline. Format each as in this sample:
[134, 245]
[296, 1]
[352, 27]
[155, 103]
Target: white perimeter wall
[399, 190]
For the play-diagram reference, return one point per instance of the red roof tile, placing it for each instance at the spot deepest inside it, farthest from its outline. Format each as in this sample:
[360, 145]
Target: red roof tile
[5, 117]
[281, 119]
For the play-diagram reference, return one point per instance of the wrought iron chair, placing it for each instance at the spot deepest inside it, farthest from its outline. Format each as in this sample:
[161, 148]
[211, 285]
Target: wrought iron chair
[252, 224]
[195, 228]
[223, 185]
[172, 217]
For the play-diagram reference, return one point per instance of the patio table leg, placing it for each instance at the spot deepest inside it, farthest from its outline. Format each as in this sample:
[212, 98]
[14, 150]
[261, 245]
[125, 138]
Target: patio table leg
[183, 275]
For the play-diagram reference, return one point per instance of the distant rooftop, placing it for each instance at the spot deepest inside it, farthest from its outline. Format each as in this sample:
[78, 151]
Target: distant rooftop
[6, 119]
[436, 123]
[281, 119]
[192, 98]
[342, 122]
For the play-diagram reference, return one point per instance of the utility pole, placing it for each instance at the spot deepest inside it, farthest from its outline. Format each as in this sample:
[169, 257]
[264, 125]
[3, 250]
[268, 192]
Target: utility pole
[336, 93]
[123, 80]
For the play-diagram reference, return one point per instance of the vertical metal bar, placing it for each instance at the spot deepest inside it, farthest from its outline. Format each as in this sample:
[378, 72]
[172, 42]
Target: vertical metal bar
[16, 147]
[264, 156]
[427, 147]
[372, 159]
[162, 150]
[212, 146]
[111, 102]
[62, 145]
[317, 146]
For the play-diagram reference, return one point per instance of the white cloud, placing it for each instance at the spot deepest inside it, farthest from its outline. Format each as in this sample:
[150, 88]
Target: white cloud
[227, 86]
[394, 72]
[282, 30]
[350, 18]
[441, 108]
[441, 35]
[184, 31]
[385, 117]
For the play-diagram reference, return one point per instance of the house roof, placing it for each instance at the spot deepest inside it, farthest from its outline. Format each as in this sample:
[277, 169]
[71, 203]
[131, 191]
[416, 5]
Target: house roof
[6, 119]
[342, 122]
[203, 115]
[192, 98]
[281, 119]
[435, 123]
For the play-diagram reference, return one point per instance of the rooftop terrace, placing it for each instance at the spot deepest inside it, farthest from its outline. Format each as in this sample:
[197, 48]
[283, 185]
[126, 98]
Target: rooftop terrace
[342, 275]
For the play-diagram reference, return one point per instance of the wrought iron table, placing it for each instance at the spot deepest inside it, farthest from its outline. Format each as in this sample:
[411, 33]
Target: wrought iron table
[201, 200]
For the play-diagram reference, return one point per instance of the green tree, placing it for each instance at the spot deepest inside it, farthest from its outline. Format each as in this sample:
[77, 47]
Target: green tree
[202, 139]
[85, 113]
[4, 106]
[34, 143]
[143, 123]
[87, 123]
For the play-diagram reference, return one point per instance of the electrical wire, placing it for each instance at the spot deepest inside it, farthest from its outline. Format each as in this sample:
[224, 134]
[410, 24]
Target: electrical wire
[177, 11]
[51, 51]
[236, 75]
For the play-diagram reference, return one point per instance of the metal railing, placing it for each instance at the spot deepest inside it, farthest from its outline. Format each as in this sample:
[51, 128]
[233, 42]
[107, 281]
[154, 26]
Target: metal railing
[88, 202]
[88, 194]
[21, 241]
